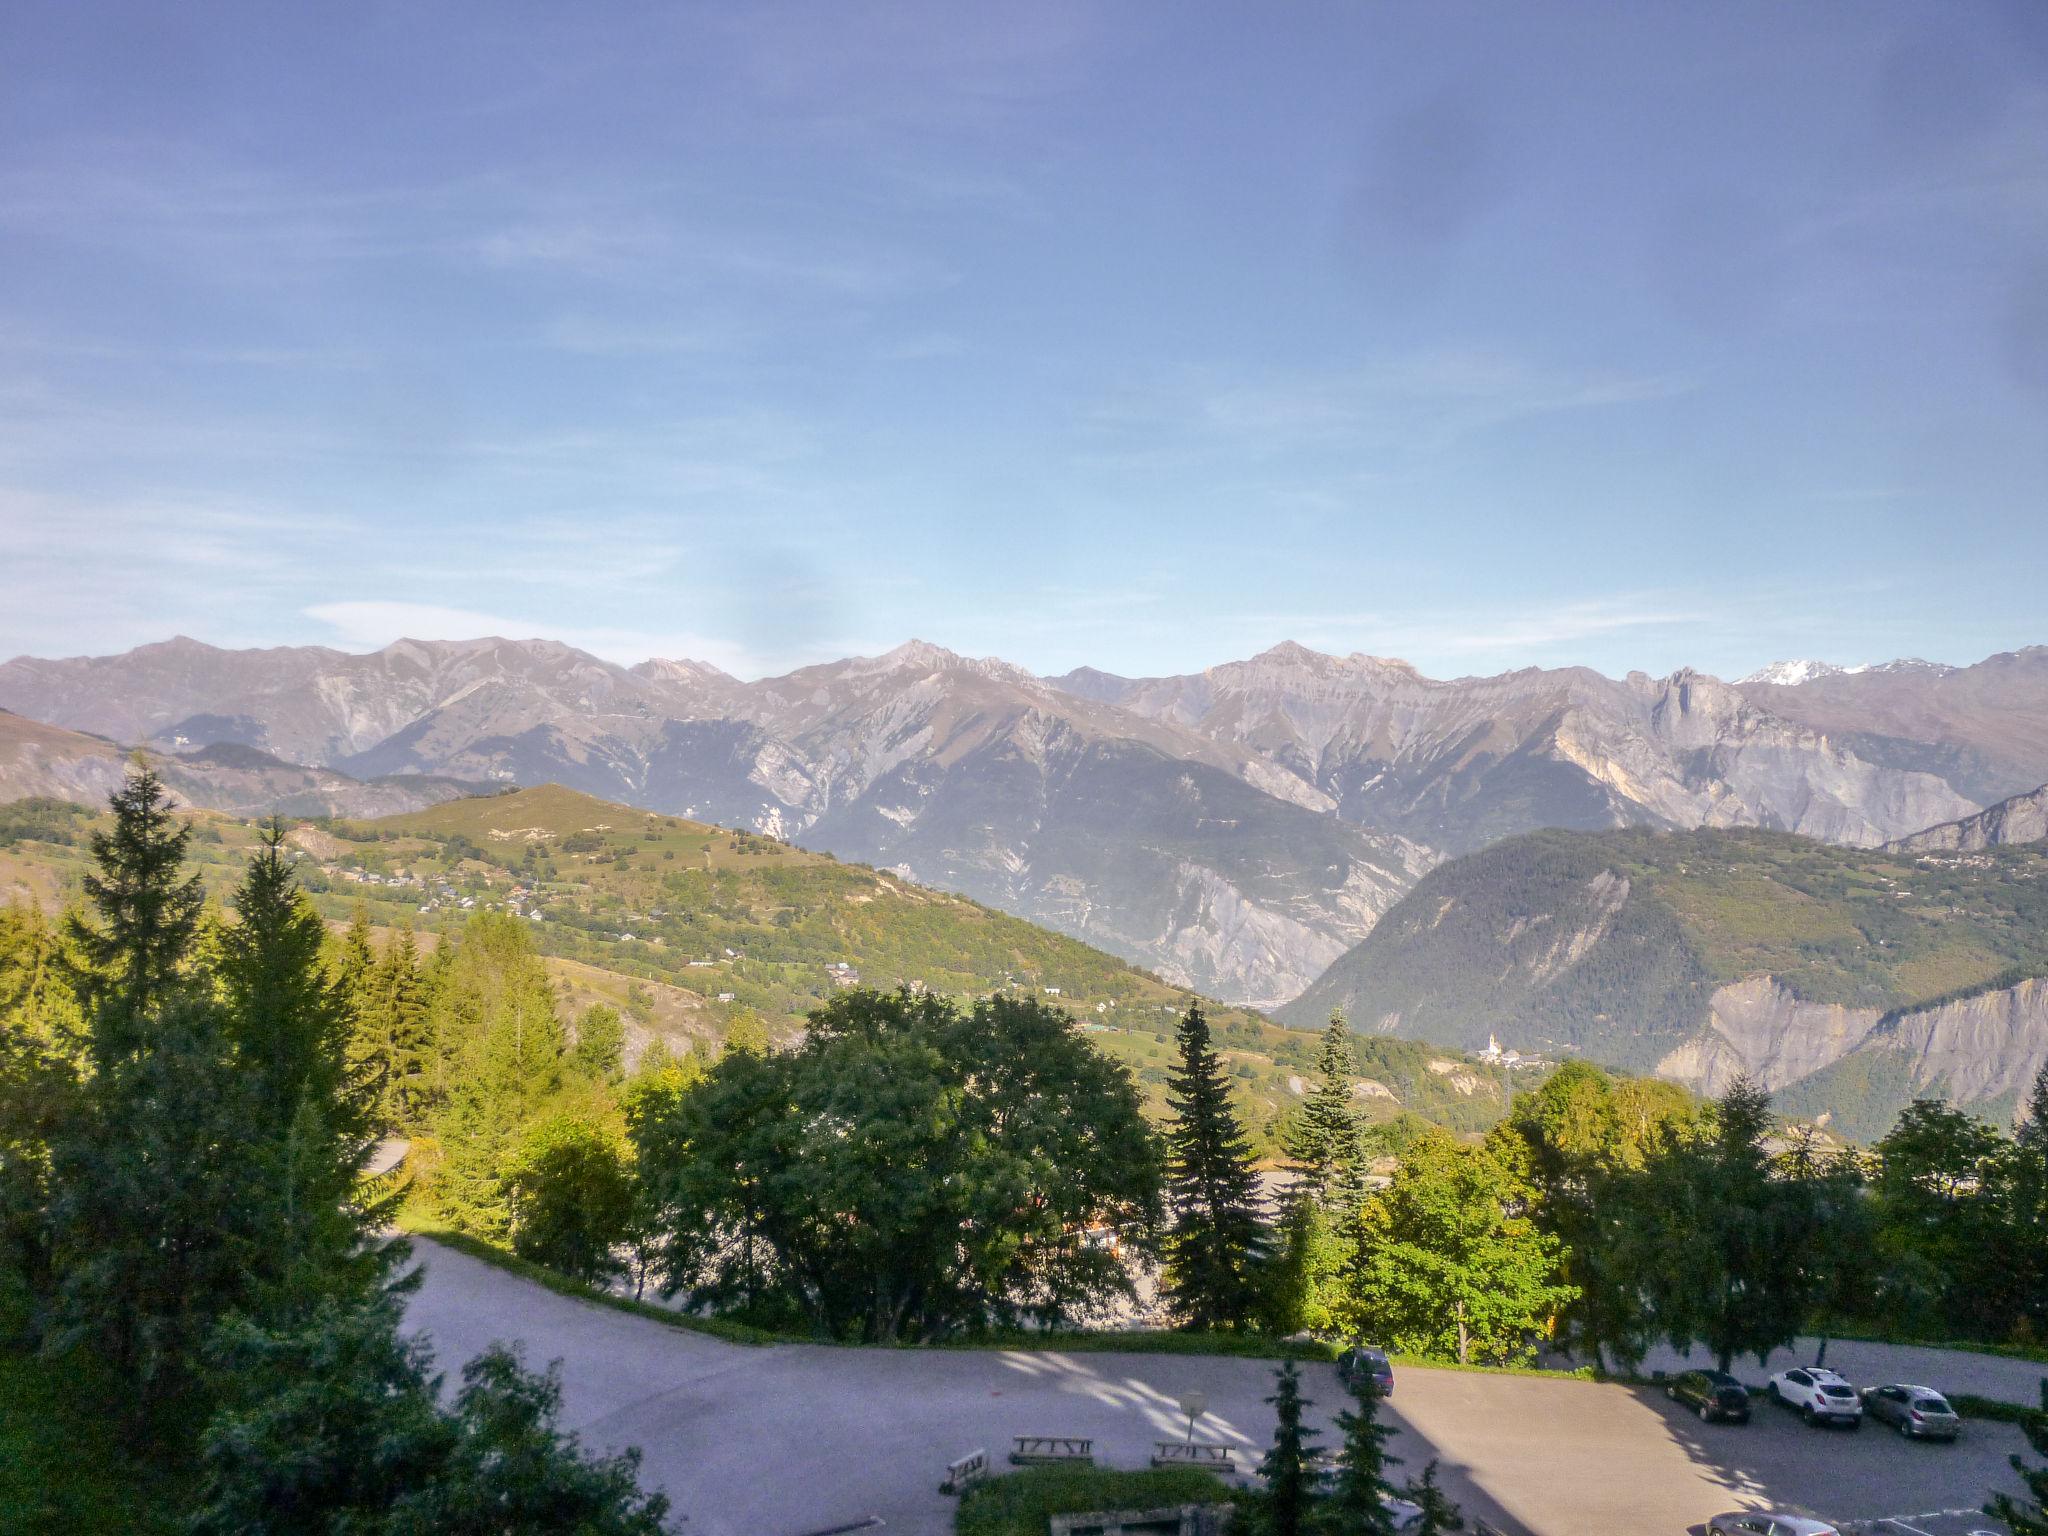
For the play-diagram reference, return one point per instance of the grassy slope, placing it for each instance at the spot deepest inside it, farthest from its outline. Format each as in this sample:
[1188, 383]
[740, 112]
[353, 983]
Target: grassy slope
[688, 893]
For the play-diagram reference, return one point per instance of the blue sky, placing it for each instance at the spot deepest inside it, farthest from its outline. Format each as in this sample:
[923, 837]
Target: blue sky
[1135, 335]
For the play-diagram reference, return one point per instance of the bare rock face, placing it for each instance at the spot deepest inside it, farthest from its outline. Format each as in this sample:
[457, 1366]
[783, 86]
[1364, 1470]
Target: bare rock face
[2022, 819]
[1457, 764]
[1981, 1049]
[1757, 1028]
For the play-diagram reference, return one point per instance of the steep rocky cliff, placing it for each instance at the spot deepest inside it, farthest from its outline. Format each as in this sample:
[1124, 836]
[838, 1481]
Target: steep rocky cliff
[2022, 819]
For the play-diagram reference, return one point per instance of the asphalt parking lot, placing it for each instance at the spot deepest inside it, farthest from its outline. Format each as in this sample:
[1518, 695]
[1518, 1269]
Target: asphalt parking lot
[793, 1439]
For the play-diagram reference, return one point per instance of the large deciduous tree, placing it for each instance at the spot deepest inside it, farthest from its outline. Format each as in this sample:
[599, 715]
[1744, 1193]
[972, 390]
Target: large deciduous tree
[910, 1170]
[1449, 1262]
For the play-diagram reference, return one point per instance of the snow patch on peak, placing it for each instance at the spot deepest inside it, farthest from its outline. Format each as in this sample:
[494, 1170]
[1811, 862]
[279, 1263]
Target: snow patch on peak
[1790, 674]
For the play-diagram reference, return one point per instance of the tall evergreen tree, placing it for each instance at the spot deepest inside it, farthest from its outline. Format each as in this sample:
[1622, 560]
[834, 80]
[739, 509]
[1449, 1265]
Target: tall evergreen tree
[1322, 1138]
[2026, 1212]
[399, 1035]
[1217, 1244]
[1358, 1504]
[1439, 1514]
[146, 915]
[290, 1021]
[289, 1018]
[1722, 1243]
[1285, 1468]
[355, 965]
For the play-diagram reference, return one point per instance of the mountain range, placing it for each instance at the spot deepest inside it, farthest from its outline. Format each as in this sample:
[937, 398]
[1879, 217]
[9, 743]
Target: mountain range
[1236, 830]
[39, 760]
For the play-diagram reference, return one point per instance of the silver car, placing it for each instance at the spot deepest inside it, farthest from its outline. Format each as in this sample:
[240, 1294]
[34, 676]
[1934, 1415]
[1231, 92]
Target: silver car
[1918, 1413]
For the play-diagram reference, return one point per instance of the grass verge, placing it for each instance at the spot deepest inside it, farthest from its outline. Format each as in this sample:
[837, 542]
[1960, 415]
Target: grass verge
[1970, 1406]
[1021, 1503]
[2034, 1352]
[64, 1462]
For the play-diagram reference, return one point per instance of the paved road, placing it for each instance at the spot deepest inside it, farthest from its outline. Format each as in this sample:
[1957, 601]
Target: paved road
[790, 1439]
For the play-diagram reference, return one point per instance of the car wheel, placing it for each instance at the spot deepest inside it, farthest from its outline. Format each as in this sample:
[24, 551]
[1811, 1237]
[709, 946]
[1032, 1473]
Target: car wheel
[1774, 1394]
[1706, 1413]
[1809, 1415]
[1905, 1430]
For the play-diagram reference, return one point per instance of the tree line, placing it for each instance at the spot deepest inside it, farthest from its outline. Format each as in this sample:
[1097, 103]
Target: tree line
[186, 1121]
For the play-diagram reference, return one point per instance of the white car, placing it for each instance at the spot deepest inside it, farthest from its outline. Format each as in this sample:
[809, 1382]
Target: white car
[1820, 1396]
[1758, 1522]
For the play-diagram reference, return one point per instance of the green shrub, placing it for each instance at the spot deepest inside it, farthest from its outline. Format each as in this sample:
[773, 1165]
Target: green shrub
[1021, 1503]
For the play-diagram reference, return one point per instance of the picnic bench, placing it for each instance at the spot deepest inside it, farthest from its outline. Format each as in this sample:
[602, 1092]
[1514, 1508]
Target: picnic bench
[966, 1472]
[1193, 1453]
[1047, 1450]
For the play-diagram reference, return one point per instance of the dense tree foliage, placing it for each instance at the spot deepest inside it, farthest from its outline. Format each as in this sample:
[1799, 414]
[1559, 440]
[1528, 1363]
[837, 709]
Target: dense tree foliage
[1448, 1259]
[572, 1199]
[911, 1169]
[186, 1115]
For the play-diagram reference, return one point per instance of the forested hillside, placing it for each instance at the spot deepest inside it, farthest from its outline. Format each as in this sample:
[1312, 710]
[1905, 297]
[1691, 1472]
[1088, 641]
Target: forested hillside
[685, 928]
[1701, 953]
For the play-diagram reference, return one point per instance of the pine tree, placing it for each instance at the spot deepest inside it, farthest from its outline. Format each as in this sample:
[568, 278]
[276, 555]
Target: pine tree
[600, 1044]
[1358, 1504]
[1323, 1137]
[355, 967]
[2026, 1214]
[2028, 1516]
[289, 1018]
[1439, 1514]
[315, 1114]
[399, 1034]
[147, 918]
[1217, 1244]
[1285, 1467]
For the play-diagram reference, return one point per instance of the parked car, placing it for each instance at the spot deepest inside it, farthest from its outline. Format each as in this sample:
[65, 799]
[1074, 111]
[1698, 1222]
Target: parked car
[1759, 1522]
[1711, 1394]
[1820, 1396]
[1363, 1366]
[1918, 1413]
